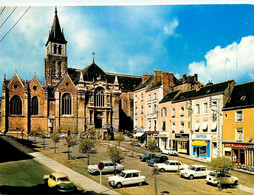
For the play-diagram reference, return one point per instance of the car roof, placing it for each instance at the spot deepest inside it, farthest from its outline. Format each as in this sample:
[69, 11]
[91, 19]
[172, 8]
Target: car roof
[106, 161]
[59, 174]
[198, 166]
[172, 160]
[131, 171]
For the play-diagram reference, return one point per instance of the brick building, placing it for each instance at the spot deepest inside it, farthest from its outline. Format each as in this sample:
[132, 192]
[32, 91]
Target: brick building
[68, 98]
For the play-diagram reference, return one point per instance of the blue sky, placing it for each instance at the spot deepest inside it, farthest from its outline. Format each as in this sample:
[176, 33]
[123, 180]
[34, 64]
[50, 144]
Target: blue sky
[215, 41]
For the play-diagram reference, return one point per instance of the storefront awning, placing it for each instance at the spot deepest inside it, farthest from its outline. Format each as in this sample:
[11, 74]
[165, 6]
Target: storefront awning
[139, 134]
[198, 143]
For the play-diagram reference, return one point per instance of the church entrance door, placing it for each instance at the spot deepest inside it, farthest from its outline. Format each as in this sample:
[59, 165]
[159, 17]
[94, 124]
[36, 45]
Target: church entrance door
[98, 120]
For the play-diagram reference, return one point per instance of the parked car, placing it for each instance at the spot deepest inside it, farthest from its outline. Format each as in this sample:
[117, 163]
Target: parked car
[169, 151]
[59, 181]
[194, 171]
[170, 165]
[226, 179]
[157, 159]
[108, 168]
[146, 157]
[126, 177]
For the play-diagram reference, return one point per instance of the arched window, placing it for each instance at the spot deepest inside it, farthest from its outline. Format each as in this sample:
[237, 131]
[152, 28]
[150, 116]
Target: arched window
[60, 49]
[16, 105]
[99, 97]
[34, 106]
[66, 104]
[59, 69]
[55, 49]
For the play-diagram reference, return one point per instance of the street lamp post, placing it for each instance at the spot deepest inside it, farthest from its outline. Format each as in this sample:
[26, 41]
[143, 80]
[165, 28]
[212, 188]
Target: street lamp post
[190, 111]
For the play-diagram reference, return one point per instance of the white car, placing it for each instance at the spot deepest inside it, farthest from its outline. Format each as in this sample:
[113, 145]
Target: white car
[108, 168]
[169, 151]
[126, 177]
[170, 165]
[194, 171]
[226, 179]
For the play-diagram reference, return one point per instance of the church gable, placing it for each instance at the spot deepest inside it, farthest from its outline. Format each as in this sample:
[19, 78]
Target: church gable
[16, 86]
[35, 85]
[66, 85]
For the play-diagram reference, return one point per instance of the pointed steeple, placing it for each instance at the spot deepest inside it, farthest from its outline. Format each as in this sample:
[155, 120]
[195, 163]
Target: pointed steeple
[56, 34]
[81, 79]
[116, 81]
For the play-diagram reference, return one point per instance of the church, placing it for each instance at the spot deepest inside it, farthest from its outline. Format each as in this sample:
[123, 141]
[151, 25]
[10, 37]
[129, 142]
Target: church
[68, 98]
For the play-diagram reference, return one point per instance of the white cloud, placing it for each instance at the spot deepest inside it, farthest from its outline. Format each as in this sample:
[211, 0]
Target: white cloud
[216, 67]
[169, 29]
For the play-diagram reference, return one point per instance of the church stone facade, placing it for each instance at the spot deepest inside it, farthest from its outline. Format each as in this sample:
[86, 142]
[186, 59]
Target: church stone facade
[68, 98]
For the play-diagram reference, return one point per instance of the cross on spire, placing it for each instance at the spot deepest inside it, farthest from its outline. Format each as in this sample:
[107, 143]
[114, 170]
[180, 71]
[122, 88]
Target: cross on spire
[93, 56]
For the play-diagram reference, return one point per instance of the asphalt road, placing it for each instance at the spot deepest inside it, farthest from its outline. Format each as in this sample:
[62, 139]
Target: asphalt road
[20, 174]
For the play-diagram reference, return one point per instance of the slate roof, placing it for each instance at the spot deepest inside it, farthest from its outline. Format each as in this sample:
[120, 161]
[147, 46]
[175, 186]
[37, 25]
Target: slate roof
[242, 96]
[169, 97]
[204, 91]
[189, 79]
[92, 73]
[142, 85]
[156, 86]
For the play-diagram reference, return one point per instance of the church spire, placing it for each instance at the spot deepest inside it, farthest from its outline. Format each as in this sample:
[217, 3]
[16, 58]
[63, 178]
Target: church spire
[56, 34]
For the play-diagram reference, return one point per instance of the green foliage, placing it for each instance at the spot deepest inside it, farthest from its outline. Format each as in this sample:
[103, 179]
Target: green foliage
[75, 130]
[87, 146]
[70, 142]
[115, 154]
[90, 133]
[155, 172]
[119, 138]
[59, 129]
[221, 164]
[133, 143]
[42, 134]
[55, 137]
[152, 144]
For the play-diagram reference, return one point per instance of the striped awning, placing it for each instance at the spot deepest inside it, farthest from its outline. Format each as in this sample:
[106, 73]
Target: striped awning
[198, 143]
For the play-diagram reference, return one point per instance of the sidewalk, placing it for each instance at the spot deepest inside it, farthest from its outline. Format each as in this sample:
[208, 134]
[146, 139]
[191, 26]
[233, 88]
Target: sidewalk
[76, 178]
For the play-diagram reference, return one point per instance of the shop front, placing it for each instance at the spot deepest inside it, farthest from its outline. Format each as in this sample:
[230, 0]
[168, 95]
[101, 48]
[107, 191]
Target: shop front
[152, 135]
[201, 146]
[164, 140]
[181, 143]
[140, 135]
[241, 153]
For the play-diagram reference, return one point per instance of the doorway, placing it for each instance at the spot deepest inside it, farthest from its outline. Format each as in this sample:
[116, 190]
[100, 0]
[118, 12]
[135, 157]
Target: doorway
[98, 120]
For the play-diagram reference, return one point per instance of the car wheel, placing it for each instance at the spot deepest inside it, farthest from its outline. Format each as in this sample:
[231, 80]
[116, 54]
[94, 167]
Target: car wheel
[191, 177]
[97, 173]
[118, 185]
[140, 184]
[236, 182]
[162, 170]
[45, 181]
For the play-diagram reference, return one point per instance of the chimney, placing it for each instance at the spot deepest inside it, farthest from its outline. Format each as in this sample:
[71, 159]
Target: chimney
[184, 78]
[145, 77]
[165, 83]
[157, 75]
[195, 77]
[171, 80]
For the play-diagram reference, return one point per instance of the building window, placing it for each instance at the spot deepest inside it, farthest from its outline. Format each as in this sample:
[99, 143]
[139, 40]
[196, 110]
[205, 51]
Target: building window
[91, 117]
[136, 110]
[197, 109]
[205, 126]
[155, 125]
[173, 127]
[182, 111]
[99, 97]
[60, 49]
[205, 108]
[142, 98]
[142, 122]
[149, 109]
[150, 124]
[173, 112]
[149, 97]
[66, 104]
[182, 127]
[55, 49]
[154, 96]
[197, 126]
[164, 125]
[34, 106]
[16, 105]
[214, 126]
[239, 134]
[239, 116]
[164, 111]
[154, 108]
[142, 109]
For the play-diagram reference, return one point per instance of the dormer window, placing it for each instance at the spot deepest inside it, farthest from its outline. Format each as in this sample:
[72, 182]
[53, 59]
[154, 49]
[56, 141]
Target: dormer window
[243, 98]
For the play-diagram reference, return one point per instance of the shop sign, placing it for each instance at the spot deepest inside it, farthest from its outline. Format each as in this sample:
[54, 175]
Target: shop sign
[201, 136]
[181, 135]
[238, 145]
[152, 132]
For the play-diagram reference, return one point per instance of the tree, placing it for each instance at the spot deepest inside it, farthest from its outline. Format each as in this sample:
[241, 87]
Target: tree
[91, 133]
[155, 172]
[55, 137]
[119, 138]
[70, 142]
[133, 143]
[87, 145]
[115, 154]
[59, 129]
[221, 165]
[42, 134]
[34, 132]
[152, 144]
[75, 130]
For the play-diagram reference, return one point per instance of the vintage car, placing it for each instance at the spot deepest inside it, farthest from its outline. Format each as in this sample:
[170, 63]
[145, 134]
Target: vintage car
[194, 171]
[126, 177]
[146, 157]
[59, 181]
[109, 167]
[170, 165]
[157, 159]
[169, 151]
[221, 179]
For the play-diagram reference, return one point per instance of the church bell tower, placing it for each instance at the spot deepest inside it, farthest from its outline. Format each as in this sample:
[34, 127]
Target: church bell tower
[55, 63]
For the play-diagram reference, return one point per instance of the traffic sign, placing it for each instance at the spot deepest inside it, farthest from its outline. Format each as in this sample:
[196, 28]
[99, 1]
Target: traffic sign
[101, 166]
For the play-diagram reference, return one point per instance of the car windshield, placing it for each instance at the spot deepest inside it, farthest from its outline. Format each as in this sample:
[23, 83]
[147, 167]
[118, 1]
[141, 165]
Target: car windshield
[192, 168]
[122, 174]
[166, 162]
[62, 179]
[147, 154]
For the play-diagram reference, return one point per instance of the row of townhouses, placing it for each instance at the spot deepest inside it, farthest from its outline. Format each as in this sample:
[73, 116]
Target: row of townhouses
[196, 120]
